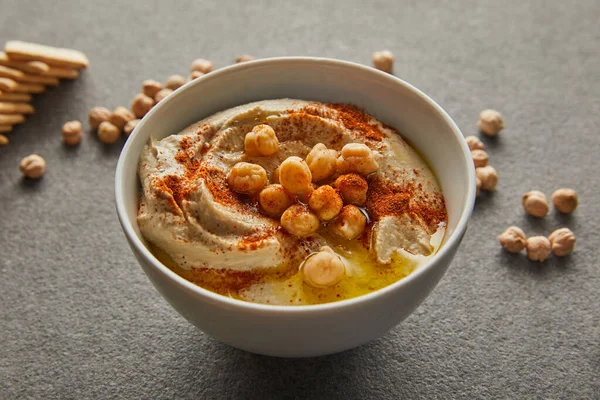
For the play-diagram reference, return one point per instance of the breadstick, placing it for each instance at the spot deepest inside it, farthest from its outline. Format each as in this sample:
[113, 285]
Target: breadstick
[34, 67]
[6, 72]
[24, 51]
[29, 88]
[16, 108]
[42, 80]
[5, 128]
[66, 73]
[11, 119]
[15, 97]
[7, 85]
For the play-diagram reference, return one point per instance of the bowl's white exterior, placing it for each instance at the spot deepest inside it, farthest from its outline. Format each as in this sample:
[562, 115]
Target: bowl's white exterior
[304, 331]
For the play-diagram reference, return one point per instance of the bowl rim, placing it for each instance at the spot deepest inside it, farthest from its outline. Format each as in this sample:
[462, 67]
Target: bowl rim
[452, 242]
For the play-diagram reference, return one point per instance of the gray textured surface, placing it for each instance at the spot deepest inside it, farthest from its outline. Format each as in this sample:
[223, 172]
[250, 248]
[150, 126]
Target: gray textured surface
[80, 320]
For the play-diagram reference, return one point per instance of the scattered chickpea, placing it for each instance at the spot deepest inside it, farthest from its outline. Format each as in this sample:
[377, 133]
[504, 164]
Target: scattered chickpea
[71, 132]
[130, 126]
[300, 221]
[323, 269]
[478, 186]
[565, 200]
[274, 200]
[151, 87]
[160, 96]
[275, 175]
[383, 61]
[562, 241]
[261, 141]
[243, 58]
[350, 223]
[480, 158]
[490, 122]
[195, 75]
[98, 115]
[474, 143]
[120, 116]
[3, 140]
[325, 202]
[353, 188]
[174, 82]
[141, 104]
[356, 157]
[108, 132]
[538, 248]
[488, 177]
[321, 162]
[33, 166]
[535, 203]
[294, 175]
[202, 65]
[513, 239]
[247, 178]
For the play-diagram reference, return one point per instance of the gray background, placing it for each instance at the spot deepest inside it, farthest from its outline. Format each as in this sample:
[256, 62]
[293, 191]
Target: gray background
[80, 320]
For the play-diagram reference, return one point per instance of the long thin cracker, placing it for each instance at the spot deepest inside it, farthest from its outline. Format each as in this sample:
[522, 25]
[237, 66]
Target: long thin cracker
[29, 88]
[7, 72]
[42, 80]
[33, 67]
[63, 73]
[7, 85]
[5, 128]
[15, 97]
[16, 108]
[60, 57]
[11, 119]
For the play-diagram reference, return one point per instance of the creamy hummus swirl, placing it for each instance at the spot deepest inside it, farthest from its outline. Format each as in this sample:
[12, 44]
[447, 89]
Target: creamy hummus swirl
[187, 209]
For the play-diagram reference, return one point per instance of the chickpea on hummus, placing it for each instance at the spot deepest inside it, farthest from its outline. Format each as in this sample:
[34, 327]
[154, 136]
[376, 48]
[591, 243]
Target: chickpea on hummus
[289, 202]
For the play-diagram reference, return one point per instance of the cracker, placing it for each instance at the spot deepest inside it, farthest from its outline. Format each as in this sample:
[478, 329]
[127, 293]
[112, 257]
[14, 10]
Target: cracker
[16, 108]
[29, 88]
[42, 80]
[7, 72]
[33, 67]
[63, 73]
[7, 85]
[5, 128]
[60, 57]
[11, 119]
[15, 97]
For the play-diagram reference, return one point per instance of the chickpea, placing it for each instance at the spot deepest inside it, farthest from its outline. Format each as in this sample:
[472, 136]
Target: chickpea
[151, 87]
[244, 58]
[353, 188]
[325, 202]
[562, 241]
[261, 141]
[98, 115]
[321, 162]
[120, 116]
[356, 157]
[294, 175]
[474, 143]
[350, 223]
[478, 186]
[383, 61]
[195, 75]
[71, 132]
[33, 166]
[201, 65]
[275, 175]
[161, 95]
[535, 203]
[108, 133]
[538, 248]
[274, 200]
[490, 122]
[480, 158]
[323, 269]
[488, 177]
[130, 126]
[247, 178]
[141, 104]
[299, 221]
[513, 239]
[565, 200]
[174, 82]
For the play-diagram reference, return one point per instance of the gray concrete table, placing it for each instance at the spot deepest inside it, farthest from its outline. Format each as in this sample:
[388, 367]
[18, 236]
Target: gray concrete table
[80, 320]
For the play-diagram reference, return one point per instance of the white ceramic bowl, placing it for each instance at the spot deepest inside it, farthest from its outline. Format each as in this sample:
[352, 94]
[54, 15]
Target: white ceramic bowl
[302, 331]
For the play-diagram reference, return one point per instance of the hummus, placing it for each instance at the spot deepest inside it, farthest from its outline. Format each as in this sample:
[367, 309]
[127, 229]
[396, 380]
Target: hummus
[188, 211]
